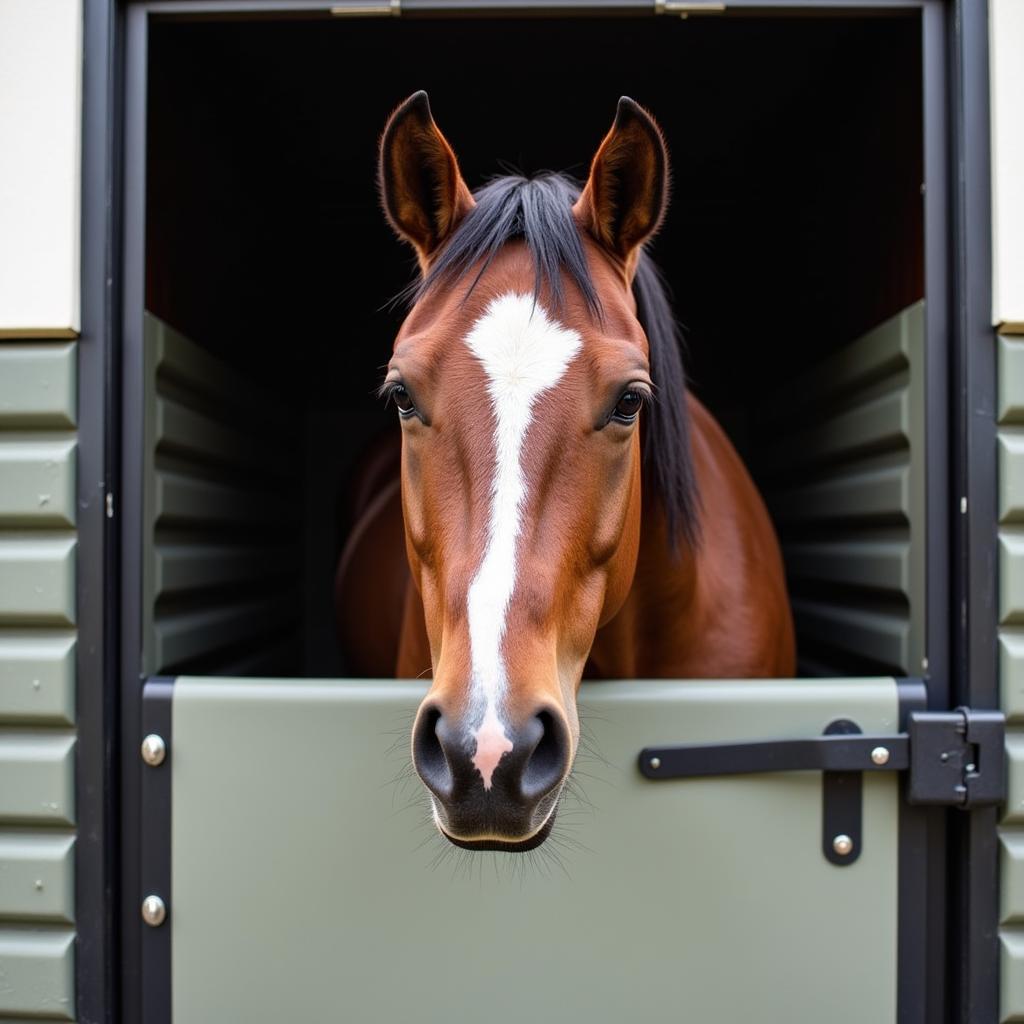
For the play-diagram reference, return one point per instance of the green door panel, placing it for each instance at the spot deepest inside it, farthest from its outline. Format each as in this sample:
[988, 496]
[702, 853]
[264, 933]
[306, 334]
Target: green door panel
[308, 885]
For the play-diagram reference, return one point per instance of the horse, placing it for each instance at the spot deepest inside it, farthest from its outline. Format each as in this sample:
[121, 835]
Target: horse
[563, 507]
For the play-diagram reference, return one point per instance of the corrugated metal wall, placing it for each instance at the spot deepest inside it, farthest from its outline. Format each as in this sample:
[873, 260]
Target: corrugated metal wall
[1011, 651]
[844, 474]
[37, 678]
[223, 516]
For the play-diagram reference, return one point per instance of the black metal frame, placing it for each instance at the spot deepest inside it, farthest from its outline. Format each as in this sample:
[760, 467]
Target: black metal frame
[155, 855]
[974, 848]
[959, 377]
[97, 592]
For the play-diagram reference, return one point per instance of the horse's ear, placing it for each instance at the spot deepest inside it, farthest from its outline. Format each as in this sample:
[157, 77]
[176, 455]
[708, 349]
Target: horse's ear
[624, 200]
[423, 192]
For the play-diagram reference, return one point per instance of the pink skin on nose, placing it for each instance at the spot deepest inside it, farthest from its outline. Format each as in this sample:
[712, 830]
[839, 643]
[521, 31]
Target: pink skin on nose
[491, 746]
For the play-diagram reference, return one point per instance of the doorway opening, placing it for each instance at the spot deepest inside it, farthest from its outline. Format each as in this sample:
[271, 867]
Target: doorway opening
[795, 230]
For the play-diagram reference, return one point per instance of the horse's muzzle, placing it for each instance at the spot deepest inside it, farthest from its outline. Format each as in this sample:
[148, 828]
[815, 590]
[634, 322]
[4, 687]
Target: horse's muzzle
[507, 802]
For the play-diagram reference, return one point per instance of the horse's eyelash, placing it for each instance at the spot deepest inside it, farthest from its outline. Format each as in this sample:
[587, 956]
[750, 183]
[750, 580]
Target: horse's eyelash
[646, 395]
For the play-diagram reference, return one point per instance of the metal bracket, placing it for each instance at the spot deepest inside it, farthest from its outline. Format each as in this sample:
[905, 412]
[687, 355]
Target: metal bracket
[391, 9]
[684, 10]
[953, 758]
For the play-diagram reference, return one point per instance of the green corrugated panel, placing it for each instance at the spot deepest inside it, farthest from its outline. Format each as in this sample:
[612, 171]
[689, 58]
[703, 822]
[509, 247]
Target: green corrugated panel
[38, 973]
[1011, 672]
[1011, 379]
[37, 385]
[37, 677]
[1011, 941]
[37, 779]
[38, 402]
[221, 519]
[305, 885]
[37, 578]
[842, 464]
[1013, 810]
[37, 876]
[1011, 475]
[37, 480]
[1011, 576]
[1011, 663]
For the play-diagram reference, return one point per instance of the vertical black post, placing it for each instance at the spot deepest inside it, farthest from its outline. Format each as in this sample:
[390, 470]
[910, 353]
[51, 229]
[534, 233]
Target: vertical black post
[130, 504]
[96, 658]
[156, 903]
[974, 953]
[938, 243]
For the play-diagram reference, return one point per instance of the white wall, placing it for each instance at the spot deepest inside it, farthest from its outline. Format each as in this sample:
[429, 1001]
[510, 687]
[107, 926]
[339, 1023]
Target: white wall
[40, 166]
[1006, 27]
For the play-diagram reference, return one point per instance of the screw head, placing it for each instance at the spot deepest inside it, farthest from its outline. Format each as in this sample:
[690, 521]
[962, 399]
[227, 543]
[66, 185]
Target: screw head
[880, 755]
[842, 844]
[153, 749]
[154, 911]
[655, 763]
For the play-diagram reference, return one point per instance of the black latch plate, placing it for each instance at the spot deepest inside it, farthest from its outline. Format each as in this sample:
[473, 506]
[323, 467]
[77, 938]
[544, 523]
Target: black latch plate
[956, 758]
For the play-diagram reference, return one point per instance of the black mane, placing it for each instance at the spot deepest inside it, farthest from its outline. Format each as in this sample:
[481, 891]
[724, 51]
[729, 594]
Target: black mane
[539, 211]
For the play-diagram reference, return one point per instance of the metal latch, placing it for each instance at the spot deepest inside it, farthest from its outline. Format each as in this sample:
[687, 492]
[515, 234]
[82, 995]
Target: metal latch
[952, 758]
[957, 758]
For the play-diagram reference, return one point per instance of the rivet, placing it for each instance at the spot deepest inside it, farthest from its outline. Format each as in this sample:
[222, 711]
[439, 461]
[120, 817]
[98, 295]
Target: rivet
[154, 911]
[842, 844]
[655, 763]
[153, 749]
[880, 755]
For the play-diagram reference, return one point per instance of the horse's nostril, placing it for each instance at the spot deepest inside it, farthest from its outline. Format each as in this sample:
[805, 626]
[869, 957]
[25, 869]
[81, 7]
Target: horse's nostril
[428, 754]
[547, 762]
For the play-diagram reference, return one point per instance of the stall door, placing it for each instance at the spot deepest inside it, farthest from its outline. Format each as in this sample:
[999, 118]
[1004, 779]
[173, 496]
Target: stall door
[294, 874]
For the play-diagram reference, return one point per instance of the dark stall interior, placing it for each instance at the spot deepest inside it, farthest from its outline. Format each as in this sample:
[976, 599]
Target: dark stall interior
[795, 223]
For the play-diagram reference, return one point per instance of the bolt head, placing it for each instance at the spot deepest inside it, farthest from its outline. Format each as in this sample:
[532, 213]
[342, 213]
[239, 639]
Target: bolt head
[843, 845]
[655, 763]
[154, 911]
[880, 755]
[153, 749]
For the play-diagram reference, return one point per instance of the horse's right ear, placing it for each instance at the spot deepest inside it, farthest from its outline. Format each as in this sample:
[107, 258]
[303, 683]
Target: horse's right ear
[423, 192]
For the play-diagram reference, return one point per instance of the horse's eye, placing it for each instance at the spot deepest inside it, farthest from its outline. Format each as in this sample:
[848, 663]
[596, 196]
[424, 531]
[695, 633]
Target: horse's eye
[402, 399]
[629, 404]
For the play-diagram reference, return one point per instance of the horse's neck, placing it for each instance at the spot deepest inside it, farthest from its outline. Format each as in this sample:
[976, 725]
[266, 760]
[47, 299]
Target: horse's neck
[650, 635]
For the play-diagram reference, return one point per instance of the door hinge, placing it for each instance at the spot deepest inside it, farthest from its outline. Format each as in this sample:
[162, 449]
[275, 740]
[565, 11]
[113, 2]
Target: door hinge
[684, 10]
[391, 9]
[952, 759]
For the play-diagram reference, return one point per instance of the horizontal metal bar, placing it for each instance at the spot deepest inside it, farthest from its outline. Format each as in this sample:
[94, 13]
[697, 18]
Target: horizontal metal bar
[825, 753]
[588, 8]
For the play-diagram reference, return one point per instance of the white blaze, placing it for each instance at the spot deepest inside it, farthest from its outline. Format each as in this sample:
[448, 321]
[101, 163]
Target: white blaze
[524, 354]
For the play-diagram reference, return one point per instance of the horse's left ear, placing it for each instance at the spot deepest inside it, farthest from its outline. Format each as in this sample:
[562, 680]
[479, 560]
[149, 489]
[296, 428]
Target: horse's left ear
[423, 192]
[624, 200]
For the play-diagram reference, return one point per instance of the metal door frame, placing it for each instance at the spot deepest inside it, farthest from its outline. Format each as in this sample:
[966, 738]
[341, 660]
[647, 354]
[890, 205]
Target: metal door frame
[961, 463]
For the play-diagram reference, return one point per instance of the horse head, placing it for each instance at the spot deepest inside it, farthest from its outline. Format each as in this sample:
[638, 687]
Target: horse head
[520, 376]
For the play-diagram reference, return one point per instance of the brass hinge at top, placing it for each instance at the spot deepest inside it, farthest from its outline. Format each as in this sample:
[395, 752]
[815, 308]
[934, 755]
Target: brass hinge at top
[391, 9]
[684, 10]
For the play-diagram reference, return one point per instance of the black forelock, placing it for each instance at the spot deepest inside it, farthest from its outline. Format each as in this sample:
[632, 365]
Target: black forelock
[539, 211]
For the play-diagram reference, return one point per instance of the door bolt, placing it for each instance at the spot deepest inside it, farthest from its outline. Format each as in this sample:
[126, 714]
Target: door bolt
[655, 763]
[880, 755]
